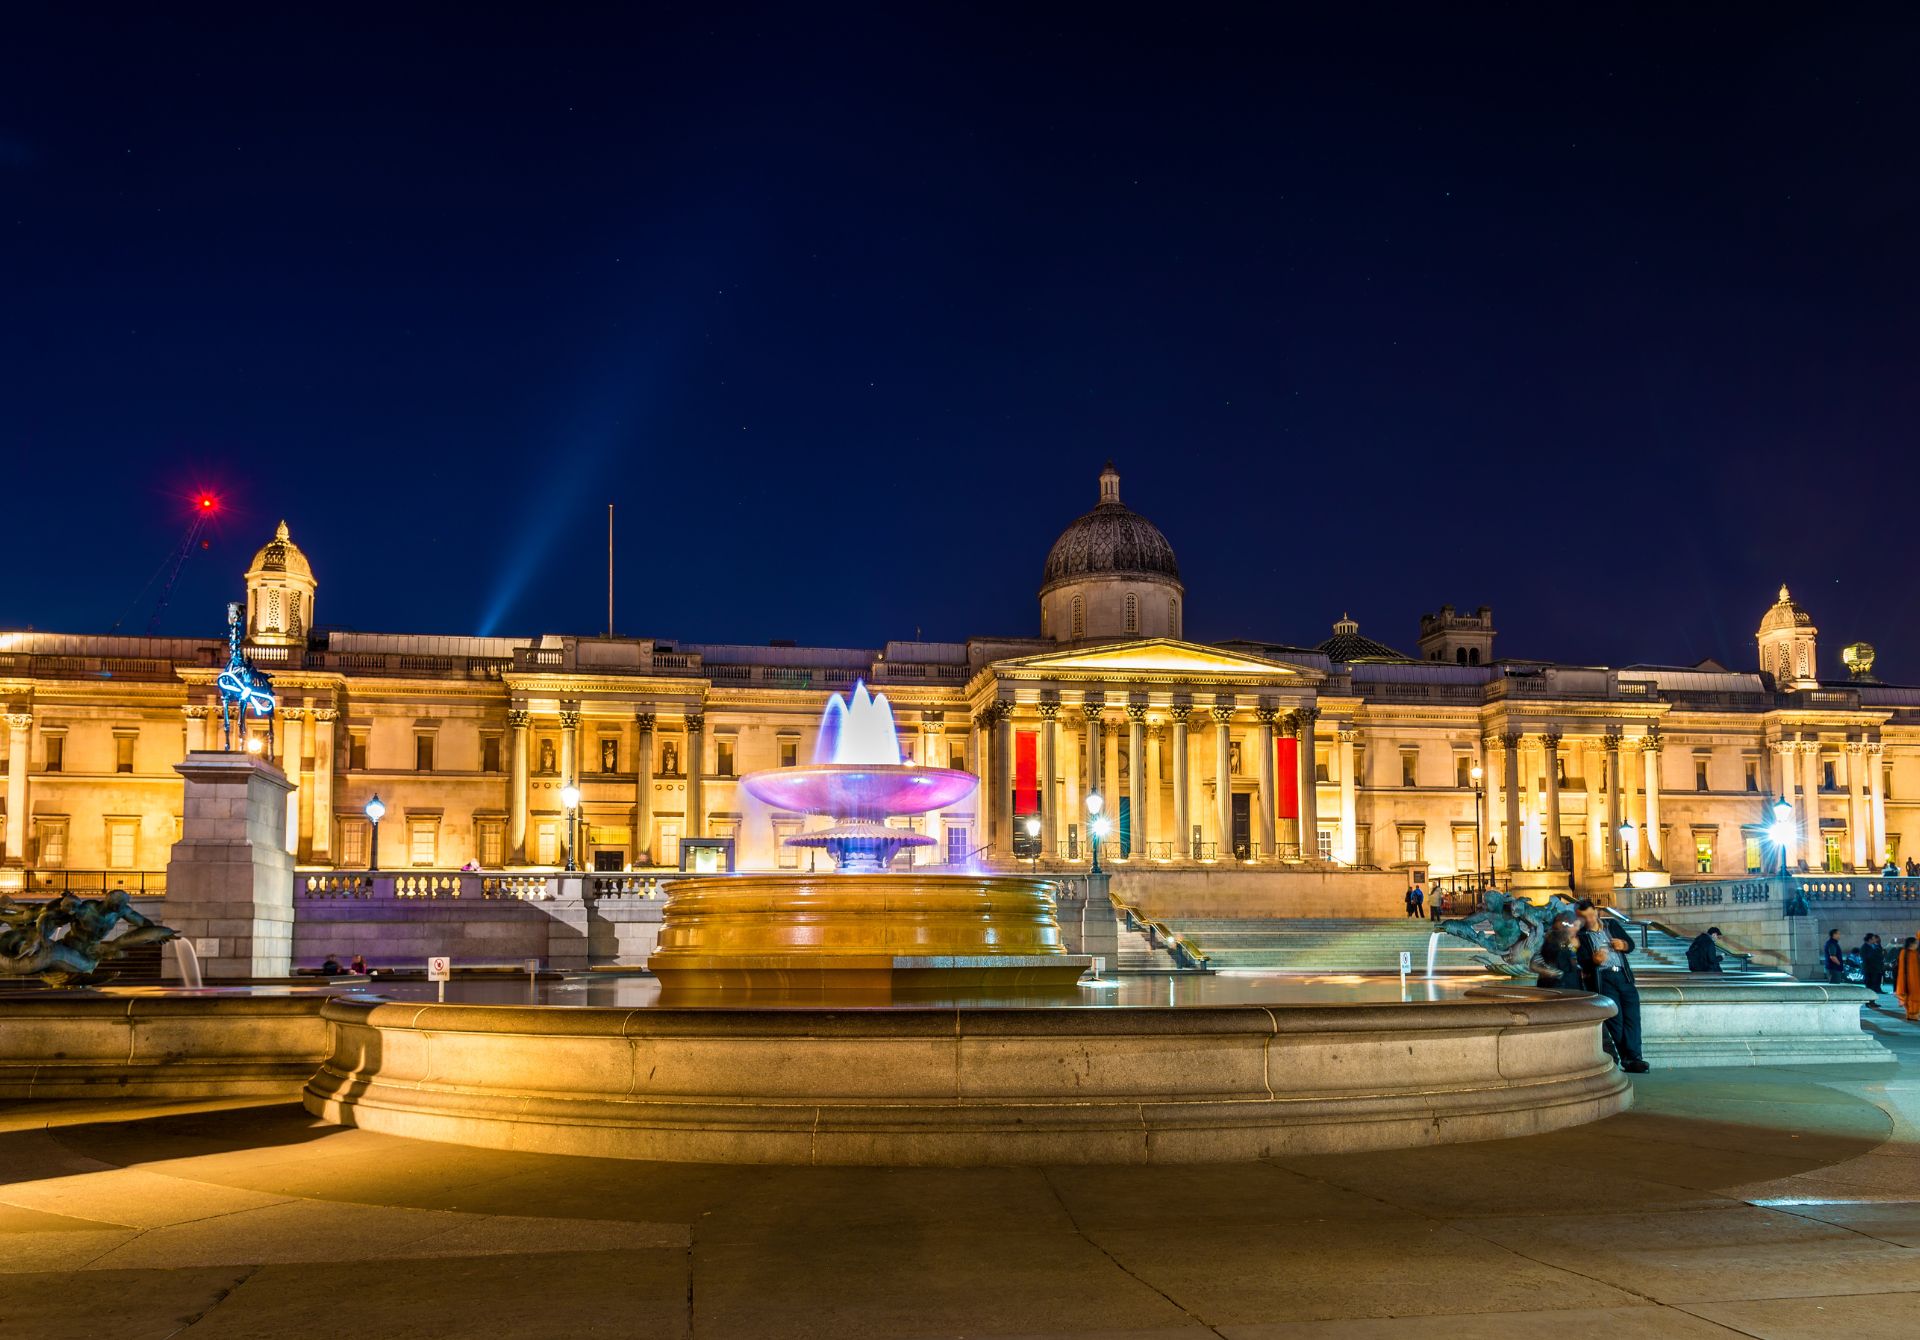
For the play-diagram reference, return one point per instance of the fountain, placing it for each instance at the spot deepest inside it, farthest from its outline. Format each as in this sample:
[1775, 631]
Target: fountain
[866, 929]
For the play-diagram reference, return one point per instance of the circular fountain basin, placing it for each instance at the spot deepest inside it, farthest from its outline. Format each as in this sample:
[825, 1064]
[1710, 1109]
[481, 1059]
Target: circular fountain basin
[860, 791]
[808, 937]
[951, 1086]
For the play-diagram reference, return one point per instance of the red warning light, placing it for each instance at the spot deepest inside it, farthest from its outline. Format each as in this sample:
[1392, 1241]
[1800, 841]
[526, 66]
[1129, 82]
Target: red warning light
[206, 502]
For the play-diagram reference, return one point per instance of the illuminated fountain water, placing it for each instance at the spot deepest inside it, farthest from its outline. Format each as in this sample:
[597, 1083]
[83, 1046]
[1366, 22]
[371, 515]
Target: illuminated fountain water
[867, 928]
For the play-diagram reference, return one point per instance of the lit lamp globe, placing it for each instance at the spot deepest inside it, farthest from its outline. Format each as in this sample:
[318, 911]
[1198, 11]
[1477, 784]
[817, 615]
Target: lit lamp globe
[570, 796]
[375, 812]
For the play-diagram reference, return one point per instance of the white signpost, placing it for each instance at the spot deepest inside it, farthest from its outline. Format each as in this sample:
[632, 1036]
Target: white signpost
[533, 977]
[1406, 966]
[440, 969]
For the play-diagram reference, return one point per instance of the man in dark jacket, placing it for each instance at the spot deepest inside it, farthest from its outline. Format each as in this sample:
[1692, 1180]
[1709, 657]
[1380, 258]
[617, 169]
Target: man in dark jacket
[1605, 944]
[1703, 955]
[1834, 958]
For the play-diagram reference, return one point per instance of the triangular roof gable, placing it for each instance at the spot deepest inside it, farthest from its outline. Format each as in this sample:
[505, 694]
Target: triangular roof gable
[1155, 656]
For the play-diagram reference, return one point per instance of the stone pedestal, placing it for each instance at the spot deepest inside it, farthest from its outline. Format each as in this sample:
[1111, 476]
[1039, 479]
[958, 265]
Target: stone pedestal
[230, 878]
[1099, 925]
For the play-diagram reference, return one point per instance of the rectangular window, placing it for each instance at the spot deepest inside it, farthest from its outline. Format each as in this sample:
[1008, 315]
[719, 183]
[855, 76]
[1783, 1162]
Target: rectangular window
[357, 751]
[1886, 783]
[493, 842]
[1753, 776]
[1893, 847]
[1410, 846]
[957, 757]
[121, 837]
[786, 857]
[123, 753]
[546, 842]
[1703, 855]
[353, 842]
[1464, 854]
[789, 753]
[1322, 766]
[1699, 774]
[956, 845]
[1827, 782]
[489, 753]
[723, 750]
[1409, 767]
[423, 842]
[423, 753]
[1833, 855]
[56, 752]
[1325, 844]
[1756, 855]
[1463, 771]
[51, 837]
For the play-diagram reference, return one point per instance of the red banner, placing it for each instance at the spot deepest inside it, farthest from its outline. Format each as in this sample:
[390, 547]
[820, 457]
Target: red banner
[1286, 751]
[1026, 772]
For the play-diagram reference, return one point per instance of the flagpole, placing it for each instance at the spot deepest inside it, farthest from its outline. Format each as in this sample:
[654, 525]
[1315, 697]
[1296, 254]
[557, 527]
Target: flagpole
[609, 569]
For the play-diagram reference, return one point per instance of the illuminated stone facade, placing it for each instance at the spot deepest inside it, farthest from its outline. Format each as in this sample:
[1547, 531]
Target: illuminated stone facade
[1211, 754]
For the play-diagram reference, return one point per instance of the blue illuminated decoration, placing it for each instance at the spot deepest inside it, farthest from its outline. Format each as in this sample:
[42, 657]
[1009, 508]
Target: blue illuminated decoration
[244, 690]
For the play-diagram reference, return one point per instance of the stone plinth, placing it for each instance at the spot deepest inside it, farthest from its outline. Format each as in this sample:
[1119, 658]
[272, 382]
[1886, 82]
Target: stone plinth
[1706, 1019]
[230, 879]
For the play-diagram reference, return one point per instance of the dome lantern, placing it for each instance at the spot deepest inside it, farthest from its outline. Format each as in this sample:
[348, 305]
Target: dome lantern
[280, 589]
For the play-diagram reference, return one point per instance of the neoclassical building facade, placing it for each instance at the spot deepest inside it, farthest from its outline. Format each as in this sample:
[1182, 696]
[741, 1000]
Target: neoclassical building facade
[1345, 753]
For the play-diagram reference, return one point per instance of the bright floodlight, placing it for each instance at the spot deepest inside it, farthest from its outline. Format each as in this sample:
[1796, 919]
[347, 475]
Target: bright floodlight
[1781, 811]
[1099, 825]
[253, 744]
[1780, 832]
[1476, 773]
[570, 796]
[1094, 803]
[1033, 826]
[375, 810]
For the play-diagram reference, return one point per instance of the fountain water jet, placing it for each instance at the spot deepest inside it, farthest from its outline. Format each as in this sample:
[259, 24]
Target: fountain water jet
[866, 928]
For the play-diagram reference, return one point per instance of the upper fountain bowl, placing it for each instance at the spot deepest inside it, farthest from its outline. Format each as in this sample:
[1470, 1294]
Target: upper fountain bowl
[860, 791]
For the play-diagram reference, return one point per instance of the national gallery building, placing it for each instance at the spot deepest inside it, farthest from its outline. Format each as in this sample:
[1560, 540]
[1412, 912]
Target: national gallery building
[1445, 759]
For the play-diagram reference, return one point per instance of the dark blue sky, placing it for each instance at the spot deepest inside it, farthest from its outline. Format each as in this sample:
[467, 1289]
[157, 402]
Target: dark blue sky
[1604, 317]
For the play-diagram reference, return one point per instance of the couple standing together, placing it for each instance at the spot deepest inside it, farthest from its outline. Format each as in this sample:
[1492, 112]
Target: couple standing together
[1589, 952]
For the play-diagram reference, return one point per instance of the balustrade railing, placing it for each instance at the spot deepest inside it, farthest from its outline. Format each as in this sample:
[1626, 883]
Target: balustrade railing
[1858, 888]
[89, 883]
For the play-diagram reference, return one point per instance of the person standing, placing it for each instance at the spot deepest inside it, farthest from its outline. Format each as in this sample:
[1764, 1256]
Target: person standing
[1906, 978]
[1556, 964]
[1873, 962]
[1703, 955]
[1605, 944]
[1834, 958]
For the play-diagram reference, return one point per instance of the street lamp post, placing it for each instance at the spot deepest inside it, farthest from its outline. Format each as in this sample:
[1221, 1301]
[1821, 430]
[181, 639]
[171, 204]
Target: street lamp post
[1780, 830]
[1479, 796]
[375, 812]
[1096, 827]
[1493, 859]
[1627, 832]
[570, 797]
[1033, 840]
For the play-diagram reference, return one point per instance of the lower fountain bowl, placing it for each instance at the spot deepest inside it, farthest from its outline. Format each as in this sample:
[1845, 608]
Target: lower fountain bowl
[819, 936]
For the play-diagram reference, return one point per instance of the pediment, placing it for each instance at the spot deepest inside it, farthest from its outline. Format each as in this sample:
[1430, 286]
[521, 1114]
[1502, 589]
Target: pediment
[1153, 656]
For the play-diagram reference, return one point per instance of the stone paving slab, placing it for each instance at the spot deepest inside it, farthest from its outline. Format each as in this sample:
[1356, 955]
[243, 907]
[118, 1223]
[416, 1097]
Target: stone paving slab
[1764, 1203]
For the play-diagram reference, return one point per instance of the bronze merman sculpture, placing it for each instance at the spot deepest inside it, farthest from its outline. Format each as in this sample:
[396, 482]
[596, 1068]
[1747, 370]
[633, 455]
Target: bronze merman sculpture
[66, 938]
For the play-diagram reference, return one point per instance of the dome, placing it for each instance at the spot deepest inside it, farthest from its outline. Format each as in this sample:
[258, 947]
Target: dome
[1785, 614]
[281, 554]
[1111, 540]
[1347, 645]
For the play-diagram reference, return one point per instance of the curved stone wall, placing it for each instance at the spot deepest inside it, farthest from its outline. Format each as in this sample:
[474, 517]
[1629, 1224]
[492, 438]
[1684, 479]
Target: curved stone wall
[963, 1087]
[86, 1045]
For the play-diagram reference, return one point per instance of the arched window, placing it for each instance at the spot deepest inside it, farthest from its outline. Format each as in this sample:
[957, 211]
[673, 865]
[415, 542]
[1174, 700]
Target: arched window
[1173, 616]
[1079, 617]
[1460, 655]
[1473, 656]
[1133, 614]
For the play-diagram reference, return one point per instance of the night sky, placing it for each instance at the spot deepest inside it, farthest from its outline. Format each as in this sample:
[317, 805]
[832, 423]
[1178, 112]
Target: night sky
[1607, 318]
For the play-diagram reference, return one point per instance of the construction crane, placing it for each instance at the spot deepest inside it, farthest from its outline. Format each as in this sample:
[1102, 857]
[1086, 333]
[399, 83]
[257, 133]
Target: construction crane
[205, 507]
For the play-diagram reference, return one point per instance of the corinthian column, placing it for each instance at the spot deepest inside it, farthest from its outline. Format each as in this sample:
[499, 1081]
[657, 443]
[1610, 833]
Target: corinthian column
[1136, 781]
[320, 837]
[1003, 776]
[1309, 786]
[291, 738]
[1551, 742]
[1349, 798]
[695, 766]
[1654, 838]
[1816, 849]
[1516, 858]
[1182, 800]
[640, 847]
[569, 728]
[1614, 861]
[19, 749]
[1223, 776]
[517, 789]
[1264, 829]
[1049, 793]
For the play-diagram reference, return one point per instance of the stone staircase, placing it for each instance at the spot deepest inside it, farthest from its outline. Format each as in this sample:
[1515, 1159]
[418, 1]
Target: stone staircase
[1326, 944]
[1137, 954]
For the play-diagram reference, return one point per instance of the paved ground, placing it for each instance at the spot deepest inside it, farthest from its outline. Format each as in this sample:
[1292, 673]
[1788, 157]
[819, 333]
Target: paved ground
[1759, 1203]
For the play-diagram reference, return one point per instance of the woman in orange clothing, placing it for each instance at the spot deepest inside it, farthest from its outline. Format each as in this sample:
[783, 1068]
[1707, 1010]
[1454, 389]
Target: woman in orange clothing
[1906, 977]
